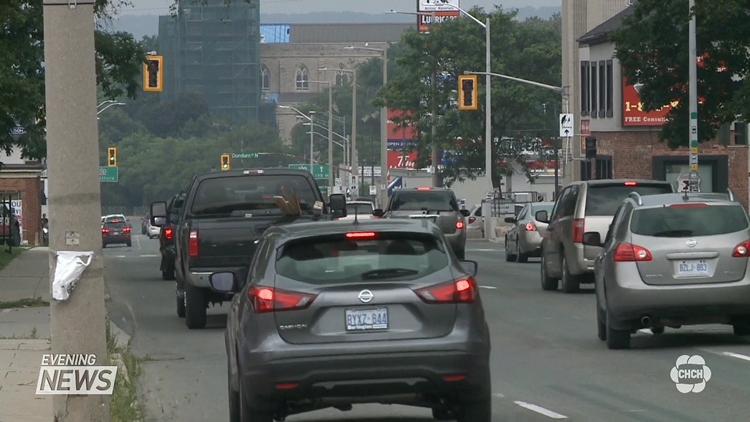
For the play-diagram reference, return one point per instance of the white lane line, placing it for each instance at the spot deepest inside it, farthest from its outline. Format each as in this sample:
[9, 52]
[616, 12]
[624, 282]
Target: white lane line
[498, 396]
[488, 287]
[736, 355]
[149, 256]
[539, 409]
[482, 250]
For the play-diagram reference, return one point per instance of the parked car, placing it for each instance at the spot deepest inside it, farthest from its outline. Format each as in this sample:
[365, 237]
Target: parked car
[438, 205]
[333, 314]
[583, 206]
[116, 232]
[672, 260]
[524, 239]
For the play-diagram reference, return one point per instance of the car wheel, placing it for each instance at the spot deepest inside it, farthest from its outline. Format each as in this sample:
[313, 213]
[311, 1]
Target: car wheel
[234, 398]
[508, 256]
[616, 339]
[569, 282]
[476, 411]
[657, 330]
[180, 305]
[168, 274]
[195, 307]
[601, 323]
[441, 414]
[129, 244]
[521, 257]
[741, 329]
[250, 414]
[548, 283]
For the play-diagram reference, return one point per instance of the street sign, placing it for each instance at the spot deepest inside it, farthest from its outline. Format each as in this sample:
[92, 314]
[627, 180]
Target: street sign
[566, 125]
[248, 154]
[373, 190]
[108, 174]
[320, 171]
[338, 181]
[683, 183]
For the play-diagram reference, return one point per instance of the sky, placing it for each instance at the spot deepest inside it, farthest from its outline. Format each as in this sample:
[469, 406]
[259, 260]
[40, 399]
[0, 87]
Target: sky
[161, 7]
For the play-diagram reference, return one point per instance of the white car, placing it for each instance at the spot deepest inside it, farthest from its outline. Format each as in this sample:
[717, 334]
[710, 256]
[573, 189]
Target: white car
[152, 231]
[362, 209]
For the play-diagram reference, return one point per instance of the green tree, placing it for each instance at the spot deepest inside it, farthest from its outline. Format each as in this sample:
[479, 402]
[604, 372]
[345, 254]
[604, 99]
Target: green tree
[652, 46]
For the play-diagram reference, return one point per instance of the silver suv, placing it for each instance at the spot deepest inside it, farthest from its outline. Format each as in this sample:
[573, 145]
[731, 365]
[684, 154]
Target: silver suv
[672, 260]
[586, 206]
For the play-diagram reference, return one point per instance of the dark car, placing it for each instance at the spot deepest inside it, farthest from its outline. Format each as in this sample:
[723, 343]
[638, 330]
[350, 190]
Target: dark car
[115, 232]
[337, 313]
[167, 236]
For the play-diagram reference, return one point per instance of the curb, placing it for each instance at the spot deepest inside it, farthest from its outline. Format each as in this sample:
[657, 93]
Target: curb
[121, 337]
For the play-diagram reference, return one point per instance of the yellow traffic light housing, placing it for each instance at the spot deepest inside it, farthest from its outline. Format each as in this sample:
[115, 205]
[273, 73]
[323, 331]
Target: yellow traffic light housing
[112, 157]
[225, 164]
[153, 74]
[468, 95]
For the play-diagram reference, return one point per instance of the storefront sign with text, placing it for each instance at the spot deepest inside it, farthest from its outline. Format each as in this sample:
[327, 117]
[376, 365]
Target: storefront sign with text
[633, 113]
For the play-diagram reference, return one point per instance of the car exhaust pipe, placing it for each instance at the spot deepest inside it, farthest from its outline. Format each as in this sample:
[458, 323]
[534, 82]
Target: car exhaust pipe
[646, 321]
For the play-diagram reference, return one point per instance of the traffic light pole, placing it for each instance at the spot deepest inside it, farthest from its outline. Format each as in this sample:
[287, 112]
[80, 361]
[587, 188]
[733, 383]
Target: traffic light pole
[693, 96]
[77, 325]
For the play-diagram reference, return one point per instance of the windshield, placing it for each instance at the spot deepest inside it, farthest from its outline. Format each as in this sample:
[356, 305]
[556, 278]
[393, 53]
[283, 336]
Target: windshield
[693, 221]
[424, 201]
[225, 195]
[359, 209]
[325, 261]
[604, 200]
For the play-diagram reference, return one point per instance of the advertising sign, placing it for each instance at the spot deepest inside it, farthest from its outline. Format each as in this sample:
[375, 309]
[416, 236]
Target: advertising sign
[437, 5]
[399, 159]
[633, 113]
[424, 21]
[401, 141]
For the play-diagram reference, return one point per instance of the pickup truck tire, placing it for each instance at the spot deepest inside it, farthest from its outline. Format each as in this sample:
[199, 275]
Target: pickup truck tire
[195, 307]
[180, 305]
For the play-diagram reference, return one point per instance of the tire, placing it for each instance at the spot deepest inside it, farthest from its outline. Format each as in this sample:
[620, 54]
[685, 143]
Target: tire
[616, 339]
[521, 257]
[476, 411]
[234, 398]
[601, 323]
[657, 330]
[441, 414]
[129, 244]
[195, 307]
[249, 414]
[548, 283]
[741, 329]
[168, 274]
[569, 283]
[180, 305]
[508, 256]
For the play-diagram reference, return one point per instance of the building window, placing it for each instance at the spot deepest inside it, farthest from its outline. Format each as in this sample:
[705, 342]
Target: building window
[342, 78]
[585, 82]
[265, 77]
[602, 89]
[594, 95]
[610, 89]
[302, 78]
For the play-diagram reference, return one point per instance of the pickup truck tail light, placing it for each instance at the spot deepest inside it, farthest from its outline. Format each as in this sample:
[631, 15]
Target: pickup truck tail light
[268, 299]
[168, 233]
[193, 244]
[463, 290]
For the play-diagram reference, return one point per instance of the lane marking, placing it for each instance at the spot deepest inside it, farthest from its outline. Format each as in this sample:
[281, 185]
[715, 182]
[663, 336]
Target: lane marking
[149, 256]
[482, 250]
[736, 355]
[488, 287]
[498, 395]
[539, 409]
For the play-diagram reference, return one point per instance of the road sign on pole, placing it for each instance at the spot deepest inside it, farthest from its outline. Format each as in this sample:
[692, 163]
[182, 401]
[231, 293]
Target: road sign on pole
[108, 174]
[248, 154]
[684, 183]
[566, 125]
[320, 171]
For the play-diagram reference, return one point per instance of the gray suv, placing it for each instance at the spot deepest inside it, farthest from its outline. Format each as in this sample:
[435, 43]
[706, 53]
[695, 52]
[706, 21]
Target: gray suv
[438, 205]
[672, 260]
[586, 206]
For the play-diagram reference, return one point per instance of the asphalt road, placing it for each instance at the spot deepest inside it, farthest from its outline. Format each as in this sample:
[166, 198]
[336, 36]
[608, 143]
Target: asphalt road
[547, 361]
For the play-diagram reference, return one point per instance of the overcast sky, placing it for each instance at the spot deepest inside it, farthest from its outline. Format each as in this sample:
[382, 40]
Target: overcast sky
[158, 7]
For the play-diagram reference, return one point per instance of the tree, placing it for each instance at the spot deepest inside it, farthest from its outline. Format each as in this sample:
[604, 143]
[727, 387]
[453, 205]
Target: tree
[660, 62]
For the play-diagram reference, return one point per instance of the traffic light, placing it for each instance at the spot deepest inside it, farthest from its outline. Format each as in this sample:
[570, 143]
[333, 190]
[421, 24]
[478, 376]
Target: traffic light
[153, 74]
[112, 157]
[225, 164]
[590, 147]
[468, 97]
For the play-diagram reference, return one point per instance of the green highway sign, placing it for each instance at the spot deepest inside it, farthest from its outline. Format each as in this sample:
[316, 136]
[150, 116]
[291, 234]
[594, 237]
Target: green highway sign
[108, 174]
[320, 171]
[248, 154]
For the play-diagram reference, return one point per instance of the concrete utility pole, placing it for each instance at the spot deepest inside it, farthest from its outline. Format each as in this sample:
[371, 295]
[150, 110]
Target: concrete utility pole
[78, 324]
[693, 95]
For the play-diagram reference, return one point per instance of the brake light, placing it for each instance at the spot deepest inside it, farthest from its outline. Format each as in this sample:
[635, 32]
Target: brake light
[459, 224]
[126, 230]
[530, 226]
[267, 299]
[456, 291]
[631, 184]
[360, 235]
[579, 226]
[628, 252]
[168, 233]
[105, 231]
[472, 220]
[424, 188]
[193, 244]
[689, 205]
[742, 250]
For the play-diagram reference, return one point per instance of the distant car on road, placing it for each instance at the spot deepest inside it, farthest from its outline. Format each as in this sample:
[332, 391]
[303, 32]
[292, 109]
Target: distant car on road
[114, 232]
[524, 239]
[333, 314]
[475, 221]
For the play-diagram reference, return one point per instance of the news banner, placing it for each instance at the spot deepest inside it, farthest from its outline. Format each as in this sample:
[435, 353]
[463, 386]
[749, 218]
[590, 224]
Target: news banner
[75, 374]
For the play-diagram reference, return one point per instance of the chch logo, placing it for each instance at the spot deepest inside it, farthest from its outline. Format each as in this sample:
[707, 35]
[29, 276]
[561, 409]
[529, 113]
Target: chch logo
[690, 374]
[365, 296]
[691, 243]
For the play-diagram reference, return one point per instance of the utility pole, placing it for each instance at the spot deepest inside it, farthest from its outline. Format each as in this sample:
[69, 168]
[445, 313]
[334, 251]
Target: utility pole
[383, 142]
[693, 94]
[354, 160]
[78, 324]
[433, 122]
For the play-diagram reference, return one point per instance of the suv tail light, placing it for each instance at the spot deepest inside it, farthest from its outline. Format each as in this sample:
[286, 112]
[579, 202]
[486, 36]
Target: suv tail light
[268, 299]
[628, 252]
[126, 230]
[530, 226]
[168, 232]
[472, 220]
[742, 250]
[463, 290]
[459, 224]
[193, 244]
[579, 227]
[105, 231]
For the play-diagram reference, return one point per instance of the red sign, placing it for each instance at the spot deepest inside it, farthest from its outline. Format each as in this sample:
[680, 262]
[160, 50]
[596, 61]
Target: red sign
[398, 134]
[399, 159]
[633, 113]
[585, 127]
[424, 20]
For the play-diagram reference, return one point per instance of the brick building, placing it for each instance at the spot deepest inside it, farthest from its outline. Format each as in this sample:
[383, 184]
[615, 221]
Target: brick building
[627, 137]
[21, 180]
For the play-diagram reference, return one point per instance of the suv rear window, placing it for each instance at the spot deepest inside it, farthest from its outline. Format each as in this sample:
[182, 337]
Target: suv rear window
[325, 261]
[115, 225]
[424, 200]
[604, 200]
[690, 221]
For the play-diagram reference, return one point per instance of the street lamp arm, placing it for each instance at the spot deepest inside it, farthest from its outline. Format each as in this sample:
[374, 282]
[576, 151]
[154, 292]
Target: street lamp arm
[525, 81]
[296, 110]
[326, 128]
[325, 136]
[108, 106]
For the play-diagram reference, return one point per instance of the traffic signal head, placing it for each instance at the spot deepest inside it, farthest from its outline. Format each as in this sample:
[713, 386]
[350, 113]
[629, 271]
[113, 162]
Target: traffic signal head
[468, 95]
[590, 147]
[153, 73]
[225, 164]
[112, 157]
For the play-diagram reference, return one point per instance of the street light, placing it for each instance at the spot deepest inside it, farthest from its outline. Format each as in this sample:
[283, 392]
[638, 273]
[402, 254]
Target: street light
[330, 130]
[111, 104]
[353, 145]
[312, 140]
[383, 197]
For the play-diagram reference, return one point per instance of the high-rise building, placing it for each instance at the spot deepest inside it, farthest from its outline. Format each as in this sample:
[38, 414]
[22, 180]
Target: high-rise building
[213, 49]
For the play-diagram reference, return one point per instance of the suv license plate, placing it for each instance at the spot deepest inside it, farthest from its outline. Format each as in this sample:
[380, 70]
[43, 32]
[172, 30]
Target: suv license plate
[366, 319]
[692, 268]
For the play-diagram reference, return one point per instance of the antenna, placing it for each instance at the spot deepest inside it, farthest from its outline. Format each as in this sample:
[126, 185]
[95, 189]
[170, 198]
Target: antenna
[356, 220]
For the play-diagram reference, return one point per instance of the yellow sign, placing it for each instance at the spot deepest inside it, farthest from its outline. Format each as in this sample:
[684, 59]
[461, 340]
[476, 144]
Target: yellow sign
[694, 167]
[694, 150]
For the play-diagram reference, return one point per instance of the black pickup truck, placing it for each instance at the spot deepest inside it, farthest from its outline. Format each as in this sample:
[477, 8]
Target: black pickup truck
[223, 216]
[167, 236]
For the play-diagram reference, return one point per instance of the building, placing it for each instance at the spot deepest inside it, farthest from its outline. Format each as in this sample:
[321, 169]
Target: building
[292, 57]
[212, 49]
[22, 183]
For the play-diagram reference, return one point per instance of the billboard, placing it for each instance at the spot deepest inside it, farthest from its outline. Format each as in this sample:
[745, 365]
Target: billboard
[401, 141]
[633, 113]
[402, 160]
[437, 5]
[424, 21]
[437, 10]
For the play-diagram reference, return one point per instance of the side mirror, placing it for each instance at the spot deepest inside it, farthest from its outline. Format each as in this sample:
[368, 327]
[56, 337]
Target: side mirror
[471, 267]
[337, 203]
[511, 220]
[542, 216]
[223, 282]
[465, 212]
[158, 214]
[378, 212]
[592, 239]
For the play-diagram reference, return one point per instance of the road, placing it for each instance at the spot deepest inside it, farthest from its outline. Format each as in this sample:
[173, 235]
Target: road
[547, 361]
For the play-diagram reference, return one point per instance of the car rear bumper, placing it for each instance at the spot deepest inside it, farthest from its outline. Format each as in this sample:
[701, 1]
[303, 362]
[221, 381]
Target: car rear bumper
[111, 240]
[530, 243]
[199, 277]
